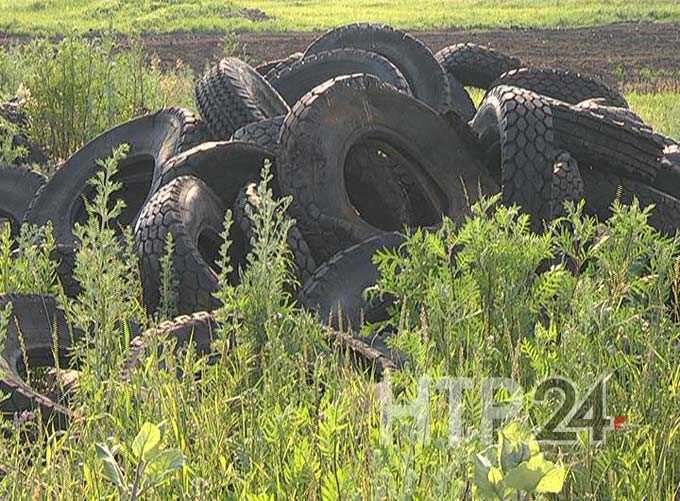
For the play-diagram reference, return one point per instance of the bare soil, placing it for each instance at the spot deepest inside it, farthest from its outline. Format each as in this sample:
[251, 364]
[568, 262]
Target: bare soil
[613, 52]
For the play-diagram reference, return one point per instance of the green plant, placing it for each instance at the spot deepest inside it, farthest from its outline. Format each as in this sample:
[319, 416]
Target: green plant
[80, 87]
[152, 463]
[28, 267]
[278, 410]
[169, 283]
[516, 466]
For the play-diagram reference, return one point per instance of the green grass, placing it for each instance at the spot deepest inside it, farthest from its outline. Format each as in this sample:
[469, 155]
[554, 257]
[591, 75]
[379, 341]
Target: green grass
[661, 109]
[126, 16]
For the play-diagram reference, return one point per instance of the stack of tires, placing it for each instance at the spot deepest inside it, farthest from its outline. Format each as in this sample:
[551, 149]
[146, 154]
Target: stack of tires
[369, 133]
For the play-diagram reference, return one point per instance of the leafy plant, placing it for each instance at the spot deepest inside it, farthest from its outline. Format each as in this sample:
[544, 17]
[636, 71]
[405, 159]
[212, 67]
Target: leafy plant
[151, 462]
[516, 466]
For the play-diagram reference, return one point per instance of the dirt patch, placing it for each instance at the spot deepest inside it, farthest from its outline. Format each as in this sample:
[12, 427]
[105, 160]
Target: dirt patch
[630, 51]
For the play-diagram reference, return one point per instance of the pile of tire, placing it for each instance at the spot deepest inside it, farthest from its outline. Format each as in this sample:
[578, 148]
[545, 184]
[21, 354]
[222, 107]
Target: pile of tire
[370, 133]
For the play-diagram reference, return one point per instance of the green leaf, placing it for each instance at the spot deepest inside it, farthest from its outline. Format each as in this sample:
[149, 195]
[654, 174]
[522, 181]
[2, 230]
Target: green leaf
[488, 478]
[146, 440]
[164, 462]
[111, 469]
[524, 477]
[553, 480]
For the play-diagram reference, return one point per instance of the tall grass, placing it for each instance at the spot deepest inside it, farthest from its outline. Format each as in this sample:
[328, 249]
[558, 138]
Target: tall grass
[80, 87]
[282, 414]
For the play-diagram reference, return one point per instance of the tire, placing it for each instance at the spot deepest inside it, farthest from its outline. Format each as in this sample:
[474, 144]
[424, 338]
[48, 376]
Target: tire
[475, 65]
[18, 186]
[327, 122]
[335, 291]
[199, 329]
[599, 107]
[189, 210]
[425, 76]
[268, 66]
[32, 323]
[294, 80]
[601, 188]
[225, 166]
[366, 160]
[620, 147]
[567, 184]
[369, 352]
[232, 95]
[153, 139]
[515, 128]
[566, 86]
[264, 133]
[247, 201]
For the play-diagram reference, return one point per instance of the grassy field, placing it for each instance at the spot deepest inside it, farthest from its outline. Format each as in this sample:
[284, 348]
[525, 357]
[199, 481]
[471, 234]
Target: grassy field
[61, 16]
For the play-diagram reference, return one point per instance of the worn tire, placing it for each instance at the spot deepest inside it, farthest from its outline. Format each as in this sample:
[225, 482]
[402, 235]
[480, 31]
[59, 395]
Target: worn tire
[225, 166]
[18, 186]
[39, 330]
[153, 139]
[515, 128]
[335, 291]
[425, 76]
[264, 68]
[189, 210]
[294, 80]
[364, 161]
[232, 95]
[475, 65]
[199, 328]
[566, 86]
[246, 202]
[264, 133]
[599, 106]
[601, 188]
[619, 146]
[328, 121]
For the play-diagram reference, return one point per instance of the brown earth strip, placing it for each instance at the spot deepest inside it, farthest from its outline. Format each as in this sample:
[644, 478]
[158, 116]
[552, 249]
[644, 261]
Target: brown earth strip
[624, 51]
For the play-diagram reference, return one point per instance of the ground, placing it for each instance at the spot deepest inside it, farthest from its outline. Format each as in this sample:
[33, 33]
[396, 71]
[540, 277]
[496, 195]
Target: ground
[641, 54]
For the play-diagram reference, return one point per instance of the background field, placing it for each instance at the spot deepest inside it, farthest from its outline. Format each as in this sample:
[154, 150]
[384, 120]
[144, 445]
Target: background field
[126, 16]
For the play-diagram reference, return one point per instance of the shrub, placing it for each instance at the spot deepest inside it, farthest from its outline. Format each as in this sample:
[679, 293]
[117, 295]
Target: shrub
[80, 87]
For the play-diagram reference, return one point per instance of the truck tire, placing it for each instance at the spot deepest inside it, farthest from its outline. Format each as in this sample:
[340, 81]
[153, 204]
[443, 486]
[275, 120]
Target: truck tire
[247, 201]
[335, 291]
[294, 80]
[193, 214]
[475, 65]
[425, 76]
[322, 128]
[153, 139]
[37, 331]
[566, 86]
[232, 95]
